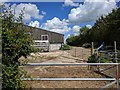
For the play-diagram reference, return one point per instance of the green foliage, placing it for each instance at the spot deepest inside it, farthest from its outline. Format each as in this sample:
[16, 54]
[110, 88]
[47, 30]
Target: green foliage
[86, 45]
[79, 40]
[106, 29]
[98, 59]
[65, 47]
[92, 59]
[102, 60]
[16, 42]
[11, 77]
[73, 41]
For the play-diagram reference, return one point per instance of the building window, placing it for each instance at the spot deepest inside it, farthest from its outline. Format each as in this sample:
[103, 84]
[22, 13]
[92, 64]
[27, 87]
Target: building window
[44, 37]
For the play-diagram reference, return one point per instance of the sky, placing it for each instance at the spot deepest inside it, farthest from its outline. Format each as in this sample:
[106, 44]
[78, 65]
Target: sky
[65, 17]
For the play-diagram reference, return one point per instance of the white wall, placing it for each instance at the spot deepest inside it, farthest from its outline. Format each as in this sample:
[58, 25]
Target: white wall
[54, 47]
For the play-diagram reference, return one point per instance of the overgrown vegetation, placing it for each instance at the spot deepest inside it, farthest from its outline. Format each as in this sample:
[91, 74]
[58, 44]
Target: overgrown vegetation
[16, 42]
[98, 59]
[74, 41]
[92, 59]
[65, 47]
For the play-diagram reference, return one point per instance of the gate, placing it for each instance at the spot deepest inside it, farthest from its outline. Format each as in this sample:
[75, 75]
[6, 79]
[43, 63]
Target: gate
[114, 80]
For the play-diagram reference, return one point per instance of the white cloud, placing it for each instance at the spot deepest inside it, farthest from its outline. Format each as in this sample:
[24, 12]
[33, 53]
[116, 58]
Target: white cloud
[91, 10]
[7, 5]
[76, 30]
[99, 0]
[68, 35]
[34, 24]
[56, 25]
[44, 13]
[89, 26]
[70, 3]
[2, 2]
[30, 11]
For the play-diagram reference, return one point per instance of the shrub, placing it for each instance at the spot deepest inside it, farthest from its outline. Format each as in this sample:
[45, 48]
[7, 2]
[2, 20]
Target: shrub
[12, 78]
[86, 45]
[93, 59]
[65, 47]
[97, 59]
[16, 42]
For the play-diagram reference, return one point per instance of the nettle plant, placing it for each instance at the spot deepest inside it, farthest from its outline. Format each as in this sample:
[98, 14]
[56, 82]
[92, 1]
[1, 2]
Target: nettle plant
[16, 42]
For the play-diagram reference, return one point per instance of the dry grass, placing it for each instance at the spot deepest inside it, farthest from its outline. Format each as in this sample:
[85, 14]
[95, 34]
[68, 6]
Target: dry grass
[67, 71]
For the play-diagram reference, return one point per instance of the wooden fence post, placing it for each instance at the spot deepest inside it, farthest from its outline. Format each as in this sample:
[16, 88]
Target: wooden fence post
[75, 52]
[92, 49]
[92, 52]
[115, 47]
[118, 76]
[118, 66]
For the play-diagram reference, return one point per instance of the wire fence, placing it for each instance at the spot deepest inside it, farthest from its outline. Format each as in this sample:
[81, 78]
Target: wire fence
[79, 53]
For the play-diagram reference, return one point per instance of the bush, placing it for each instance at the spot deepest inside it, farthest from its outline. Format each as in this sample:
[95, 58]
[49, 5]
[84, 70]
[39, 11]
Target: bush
[74, 41]
[92, 59]
[86, 45]
[99, 59]
[12, 77]
[15, 43]
[65, 47]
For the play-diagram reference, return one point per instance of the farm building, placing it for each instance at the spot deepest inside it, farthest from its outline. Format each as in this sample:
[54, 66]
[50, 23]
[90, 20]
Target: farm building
[46, 40]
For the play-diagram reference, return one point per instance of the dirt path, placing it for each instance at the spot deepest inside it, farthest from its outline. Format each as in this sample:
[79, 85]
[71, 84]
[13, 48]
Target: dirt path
[76, 55]
[63, 72]
[80, 52]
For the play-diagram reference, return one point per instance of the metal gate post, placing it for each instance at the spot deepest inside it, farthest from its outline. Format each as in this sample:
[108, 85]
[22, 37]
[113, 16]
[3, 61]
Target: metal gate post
[117, 76]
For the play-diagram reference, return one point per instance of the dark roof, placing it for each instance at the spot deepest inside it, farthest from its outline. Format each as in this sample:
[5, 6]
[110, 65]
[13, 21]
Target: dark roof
[36, 34]
[44, 30]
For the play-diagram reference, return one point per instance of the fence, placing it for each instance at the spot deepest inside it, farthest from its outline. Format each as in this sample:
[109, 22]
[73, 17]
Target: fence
[114, 79]
[111, 55]
[99, 68]
[78, 53]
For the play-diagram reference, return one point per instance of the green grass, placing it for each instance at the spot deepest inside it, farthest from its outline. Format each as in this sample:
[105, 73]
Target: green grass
[65, 47]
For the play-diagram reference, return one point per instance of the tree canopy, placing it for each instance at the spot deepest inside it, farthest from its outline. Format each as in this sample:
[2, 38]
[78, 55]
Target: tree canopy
[106, 29]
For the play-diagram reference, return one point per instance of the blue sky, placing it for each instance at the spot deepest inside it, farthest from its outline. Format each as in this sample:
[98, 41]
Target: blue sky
[63, 17]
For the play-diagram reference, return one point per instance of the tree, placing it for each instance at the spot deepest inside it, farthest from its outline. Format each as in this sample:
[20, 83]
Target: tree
[73, 41]
[106, 28]
[79, 40]
[84, 34]
[16, 42]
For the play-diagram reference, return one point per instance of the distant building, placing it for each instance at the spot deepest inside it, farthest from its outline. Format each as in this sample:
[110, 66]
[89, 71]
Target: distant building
[46, 40]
